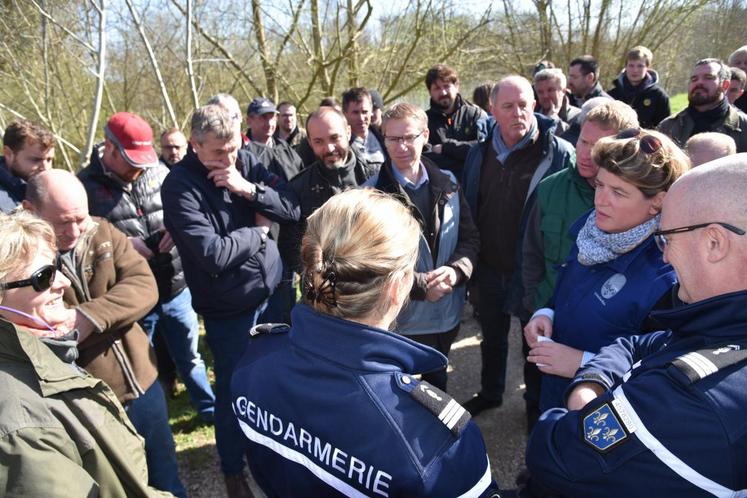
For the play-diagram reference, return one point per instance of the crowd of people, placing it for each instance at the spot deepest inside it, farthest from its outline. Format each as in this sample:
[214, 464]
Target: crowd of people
[613, 230]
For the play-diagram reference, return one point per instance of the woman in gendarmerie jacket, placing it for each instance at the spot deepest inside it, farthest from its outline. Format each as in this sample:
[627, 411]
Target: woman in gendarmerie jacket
[330, 406]
[614, 275]
[449, 240]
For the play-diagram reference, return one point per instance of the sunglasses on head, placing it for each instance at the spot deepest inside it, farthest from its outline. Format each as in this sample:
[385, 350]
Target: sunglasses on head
[648, 143]
[41, 280]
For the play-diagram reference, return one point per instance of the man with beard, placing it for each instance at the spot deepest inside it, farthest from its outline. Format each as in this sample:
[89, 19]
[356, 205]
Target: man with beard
[454, 124]
[28, 149]
[336, 168]
[638, 86]
[708, 108]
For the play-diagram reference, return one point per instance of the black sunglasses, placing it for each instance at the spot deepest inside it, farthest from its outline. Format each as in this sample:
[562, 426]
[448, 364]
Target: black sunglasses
[648, 143]
[660, 236]
[41, 280]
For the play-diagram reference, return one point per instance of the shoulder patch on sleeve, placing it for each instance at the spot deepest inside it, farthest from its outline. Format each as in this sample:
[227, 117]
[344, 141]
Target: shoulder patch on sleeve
[449, 412]
[603, 430]
[269, 328]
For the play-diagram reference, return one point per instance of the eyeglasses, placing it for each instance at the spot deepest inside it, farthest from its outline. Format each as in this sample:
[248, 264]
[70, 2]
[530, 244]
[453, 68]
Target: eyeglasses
[41, 280]
[648, 143]
[407, 139]
[660, 236]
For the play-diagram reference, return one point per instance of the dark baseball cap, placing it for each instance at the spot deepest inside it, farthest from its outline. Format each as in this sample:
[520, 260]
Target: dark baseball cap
[376, 101]
[261, 105]
[133, 137]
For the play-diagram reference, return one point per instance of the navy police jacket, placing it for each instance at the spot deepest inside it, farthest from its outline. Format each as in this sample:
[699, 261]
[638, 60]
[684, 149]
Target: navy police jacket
[330, 408]
[673, 421]
[594, 305]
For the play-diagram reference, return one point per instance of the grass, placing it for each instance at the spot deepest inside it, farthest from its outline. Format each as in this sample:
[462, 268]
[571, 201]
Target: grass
[678, 102]
[189, 431]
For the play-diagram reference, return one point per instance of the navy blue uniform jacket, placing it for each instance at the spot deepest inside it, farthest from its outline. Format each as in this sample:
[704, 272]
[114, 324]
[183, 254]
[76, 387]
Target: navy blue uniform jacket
[230, 267]
[656, 432]
[329, 409]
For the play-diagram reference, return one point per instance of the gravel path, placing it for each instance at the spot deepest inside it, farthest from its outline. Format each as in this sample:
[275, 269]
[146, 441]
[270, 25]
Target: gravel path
[504, 428]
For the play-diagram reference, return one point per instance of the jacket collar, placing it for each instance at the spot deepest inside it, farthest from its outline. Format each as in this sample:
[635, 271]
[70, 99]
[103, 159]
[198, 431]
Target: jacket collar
[723, 316]
[437, 180]
[10, 182]
[53, 375]
[360, 347]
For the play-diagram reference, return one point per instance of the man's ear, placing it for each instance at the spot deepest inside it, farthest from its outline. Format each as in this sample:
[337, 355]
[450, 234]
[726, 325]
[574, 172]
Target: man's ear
[8, 154]
[718, 243]
[725, 84]
[28, 206]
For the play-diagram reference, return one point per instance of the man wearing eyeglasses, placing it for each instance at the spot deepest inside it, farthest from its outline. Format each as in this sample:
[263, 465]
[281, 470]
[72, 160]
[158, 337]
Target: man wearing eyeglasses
[111, 288]
[662, 414]
[708, 108]
[449, 242]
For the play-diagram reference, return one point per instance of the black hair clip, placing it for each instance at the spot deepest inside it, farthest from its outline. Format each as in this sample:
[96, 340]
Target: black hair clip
[325, 293]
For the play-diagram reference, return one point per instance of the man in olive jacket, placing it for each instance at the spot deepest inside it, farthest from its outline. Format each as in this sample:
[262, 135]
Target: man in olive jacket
[708, 109]
[112, 287]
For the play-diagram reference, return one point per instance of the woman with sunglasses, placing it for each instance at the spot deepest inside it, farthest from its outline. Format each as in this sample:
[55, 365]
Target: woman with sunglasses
[615, 274]
[62, 432]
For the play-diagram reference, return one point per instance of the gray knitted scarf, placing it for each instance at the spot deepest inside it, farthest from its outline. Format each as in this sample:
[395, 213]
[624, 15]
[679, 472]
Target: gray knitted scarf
[596, 246]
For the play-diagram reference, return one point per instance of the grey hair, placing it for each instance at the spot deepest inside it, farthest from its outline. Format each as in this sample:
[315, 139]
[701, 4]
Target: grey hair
[555, 74]
[740, 51]
[228, 102]
[214, 119]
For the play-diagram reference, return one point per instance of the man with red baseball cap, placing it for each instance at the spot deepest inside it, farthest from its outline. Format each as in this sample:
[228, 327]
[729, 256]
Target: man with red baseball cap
[123, 182]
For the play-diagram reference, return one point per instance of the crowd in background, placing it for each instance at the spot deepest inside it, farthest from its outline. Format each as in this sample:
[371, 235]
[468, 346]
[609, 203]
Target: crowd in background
[546, 200]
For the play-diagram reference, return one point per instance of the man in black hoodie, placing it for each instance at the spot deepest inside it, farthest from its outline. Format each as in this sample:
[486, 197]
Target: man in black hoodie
[455, 124]
[638, 86]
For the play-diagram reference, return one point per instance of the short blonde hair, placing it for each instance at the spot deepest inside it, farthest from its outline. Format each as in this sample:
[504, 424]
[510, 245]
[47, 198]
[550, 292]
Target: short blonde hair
[640, 53]
[355, 247]
[651, 172]
[613, 114]
[404, 110]
[21, 236]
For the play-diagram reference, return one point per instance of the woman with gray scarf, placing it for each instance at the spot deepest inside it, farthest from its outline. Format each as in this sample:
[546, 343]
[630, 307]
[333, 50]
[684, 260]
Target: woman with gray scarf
[615, 274]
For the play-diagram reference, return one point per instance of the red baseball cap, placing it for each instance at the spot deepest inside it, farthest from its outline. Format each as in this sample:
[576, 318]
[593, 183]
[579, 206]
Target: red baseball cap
[133, 137]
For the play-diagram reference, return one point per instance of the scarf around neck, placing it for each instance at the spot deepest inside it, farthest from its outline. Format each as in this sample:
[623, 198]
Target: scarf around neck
[596, 246]
[502, 150]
